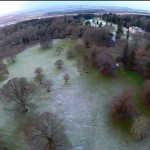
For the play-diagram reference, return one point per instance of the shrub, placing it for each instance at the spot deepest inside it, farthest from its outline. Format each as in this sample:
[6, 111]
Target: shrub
[39, 78]
[69, 54]
[59, 64]
[66, 77]
[146, 92]
[141, 127]
[87, 23]
[147, 70]
[59, 49]
[45, 42]
[39, 75]
[106, 63]
[47, 85]
[3, 71]
[38, 70]
[122, 106]
[93, 56]
[79, 65]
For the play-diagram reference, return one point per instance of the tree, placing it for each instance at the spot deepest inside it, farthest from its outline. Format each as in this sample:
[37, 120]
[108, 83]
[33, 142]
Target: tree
[45, 42]
[87, 23]
[66, 77]
[45, 132]
[131, 59]
[125, 54]
[136, 40]
[93, 56]
[147, 38]
[13, 58]
[99, 36]
[82, 20]
[127, 34]
[79, 65]
[39, 77]
[3, 71]
[59, 49]
[121, 107]
[119, 31]
[147, 69]
[70, 54]
[59, 64]
[106, 24]
[39, 74]
[146, 92]
[147, 47]
[141, 127]
[3, 141]
[47, 84]
[106, 63]
[38, 70]
[20, 91]
[100, 25]
[89, 36]
[138, 23]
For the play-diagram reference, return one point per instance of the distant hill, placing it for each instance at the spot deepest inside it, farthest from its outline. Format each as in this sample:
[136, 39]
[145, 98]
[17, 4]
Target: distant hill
[28, 14]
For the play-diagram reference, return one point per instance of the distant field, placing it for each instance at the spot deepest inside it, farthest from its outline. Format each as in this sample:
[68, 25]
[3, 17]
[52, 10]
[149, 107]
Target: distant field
[12, 19]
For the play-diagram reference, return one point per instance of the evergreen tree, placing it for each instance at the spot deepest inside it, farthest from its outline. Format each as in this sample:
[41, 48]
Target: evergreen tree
[119, 31]
[131, 59]
[87, 23]
[125, 55]
[100, 25]
[138, 23]
[147, 69]
[127, 34]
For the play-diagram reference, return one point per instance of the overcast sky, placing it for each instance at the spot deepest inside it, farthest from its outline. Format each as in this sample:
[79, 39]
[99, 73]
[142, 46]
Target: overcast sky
[12, 6]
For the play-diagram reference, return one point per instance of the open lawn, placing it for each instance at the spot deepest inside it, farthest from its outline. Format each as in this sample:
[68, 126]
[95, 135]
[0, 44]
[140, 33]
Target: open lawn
[83, 103]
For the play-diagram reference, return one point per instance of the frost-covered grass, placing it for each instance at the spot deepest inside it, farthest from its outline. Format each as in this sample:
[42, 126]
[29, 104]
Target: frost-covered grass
[83, 103]
[100, 20]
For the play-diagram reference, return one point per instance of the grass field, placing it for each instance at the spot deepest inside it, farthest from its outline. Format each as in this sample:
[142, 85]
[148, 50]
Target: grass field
[83, 103]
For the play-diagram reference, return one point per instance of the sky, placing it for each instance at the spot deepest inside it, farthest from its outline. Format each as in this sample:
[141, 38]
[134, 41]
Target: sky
[13, 6]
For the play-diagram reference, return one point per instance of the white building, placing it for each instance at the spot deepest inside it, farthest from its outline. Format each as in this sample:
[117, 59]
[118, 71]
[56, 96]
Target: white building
[134, 30]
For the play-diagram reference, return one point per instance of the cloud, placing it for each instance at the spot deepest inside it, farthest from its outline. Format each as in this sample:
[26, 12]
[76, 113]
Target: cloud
[9, 6]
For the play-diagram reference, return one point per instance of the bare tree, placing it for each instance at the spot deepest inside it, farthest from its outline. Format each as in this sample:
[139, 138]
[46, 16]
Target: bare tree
[146, 92]
[59, 49]
[45, 42]
[93, 56]
[79, 64]
[3, 71]
[59, 64]
[20, 91]
[39, 77]
[46, 132]
[47, 84]
[38, 70]
[141, 127]
[106, 63]
[13, 58]
[2, 141]
[121, 107]
[66, 77]
[39, 74]
[137, 40]
[69, 54]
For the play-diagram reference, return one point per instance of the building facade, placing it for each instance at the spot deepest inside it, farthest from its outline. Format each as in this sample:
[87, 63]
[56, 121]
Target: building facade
[134, 30]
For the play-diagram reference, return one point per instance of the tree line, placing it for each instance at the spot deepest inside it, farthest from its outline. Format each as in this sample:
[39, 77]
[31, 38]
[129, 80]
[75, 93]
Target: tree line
[129, 20]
